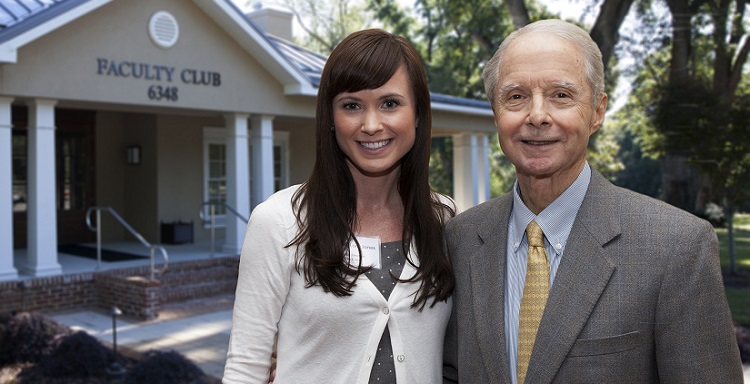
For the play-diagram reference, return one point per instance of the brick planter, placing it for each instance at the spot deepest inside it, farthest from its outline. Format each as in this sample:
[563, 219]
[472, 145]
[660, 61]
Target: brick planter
[129, 289]
[136, 296]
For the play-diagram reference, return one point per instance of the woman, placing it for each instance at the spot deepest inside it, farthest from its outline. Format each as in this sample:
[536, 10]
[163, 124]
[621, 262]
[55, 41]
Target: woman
[348, 271]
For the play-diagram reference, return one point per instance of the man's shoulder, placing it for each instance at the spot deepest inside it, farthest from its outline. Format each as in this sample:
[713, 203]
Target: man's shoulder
[641, 206]
[477, 214]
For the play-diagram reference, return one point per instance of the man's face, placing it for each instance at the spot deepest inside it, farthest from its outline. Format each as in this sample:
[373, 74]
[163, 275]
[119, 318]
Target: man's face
[543, 109]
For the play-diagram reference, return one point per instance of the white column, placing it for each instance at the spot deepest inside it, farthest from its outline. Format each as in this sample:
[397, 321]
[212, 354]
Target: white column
[7, 271]
[42, 208]
[238, 190]
[261, 134]
[465, 170]
[484, 168]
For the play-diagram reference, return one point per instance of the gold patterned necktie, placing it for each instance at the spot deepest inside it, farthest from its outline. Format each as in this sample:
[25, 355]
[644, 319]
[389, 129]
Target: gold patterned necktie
[535, 294]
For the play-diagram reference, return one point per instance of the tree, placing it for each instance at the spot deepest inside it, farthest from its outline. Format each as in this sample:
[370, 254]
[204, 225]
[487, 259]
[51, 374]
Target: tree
[455, 39]
[605, 31]
[693, 92]
[326, 23]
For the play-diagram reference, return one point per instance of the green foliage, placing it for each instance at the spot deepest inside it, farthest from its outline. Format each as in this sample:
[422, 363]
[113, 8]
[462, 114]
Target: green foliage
[693, 121]
[739, 298]
[739, 304]
[441, 165]
[639, 172]
[455, 38]
[458, 37]
[502, 172]
[326, 23]
[603, 152]
[742, 247]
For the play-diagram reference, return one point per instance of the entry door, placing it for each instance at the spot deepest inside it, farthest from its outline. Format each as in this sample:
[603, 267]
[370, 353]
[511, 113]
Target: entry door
[75, 185]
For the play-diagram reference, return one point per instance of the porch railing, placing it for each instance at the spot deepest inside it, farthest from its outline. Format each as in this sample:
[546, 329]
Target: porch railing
[210, 217]
[98, 229]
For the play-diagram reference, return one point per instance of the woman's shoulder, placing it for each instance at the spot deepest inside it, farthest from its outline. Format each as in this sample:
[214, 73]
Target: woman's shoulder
[447, 201]
[278, 203]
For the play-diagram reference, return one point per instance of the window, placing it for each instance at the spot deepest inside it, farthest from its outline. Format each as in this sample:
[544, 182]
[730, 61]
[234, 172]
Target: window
[20, 190]
[215, 168]
[280, 160]
[215, 173]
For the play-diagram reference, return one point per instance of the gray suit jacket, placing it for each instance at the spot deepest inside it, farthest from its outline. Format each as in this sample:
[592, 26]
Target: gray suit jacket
[638, 297]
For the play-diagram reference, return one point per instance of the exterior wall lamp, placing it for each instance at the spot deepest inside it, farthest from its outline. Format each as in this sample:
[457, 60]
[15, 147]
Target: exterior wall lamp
[134, 154]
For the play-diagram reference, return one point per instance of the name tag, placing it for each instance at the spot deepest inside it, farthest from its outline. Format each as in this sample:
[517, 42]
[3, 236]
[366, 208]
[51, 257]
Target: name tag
[370, 252]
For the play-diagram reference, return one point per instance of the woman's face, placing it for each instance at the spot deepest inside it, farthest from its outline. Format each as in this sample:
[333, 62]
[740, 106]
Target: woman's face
[375, 128]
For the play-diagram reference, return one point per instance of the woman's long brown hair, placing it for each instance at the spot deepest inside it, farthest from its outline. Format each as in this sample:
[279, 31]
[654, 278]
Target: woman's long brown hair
[325, 206]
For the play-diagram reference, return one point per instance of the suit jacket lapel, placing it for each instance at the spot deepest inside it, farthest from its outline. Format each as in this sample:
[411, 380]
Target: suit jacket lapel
[583, 274]
[487, 283]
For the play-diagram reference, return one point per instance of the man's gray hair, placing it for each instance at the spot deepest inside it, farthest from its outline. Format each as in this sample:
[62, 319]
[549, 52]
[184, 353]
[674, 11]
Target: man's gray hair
[592, 57]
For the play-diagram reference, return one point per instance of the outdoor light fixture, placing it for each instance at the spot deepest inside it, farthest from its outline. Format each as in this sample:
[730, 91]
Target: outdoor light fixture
[134, 154]
[115, 369]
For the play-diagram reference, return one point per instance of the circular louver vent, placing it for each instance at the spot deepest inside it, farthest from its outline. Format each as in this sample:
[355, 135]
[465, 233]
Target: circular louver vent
[163, 29]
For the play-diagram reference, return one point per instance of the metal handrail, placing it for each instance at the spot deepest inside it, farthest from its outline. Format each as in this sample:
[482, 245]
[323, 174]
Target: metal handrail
[130, 229]
[212, 217]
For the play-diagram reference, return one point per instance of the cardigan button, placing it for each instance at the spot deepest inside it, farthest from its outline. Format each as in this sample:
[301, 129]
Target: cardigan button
[386, 311]
[400, 358]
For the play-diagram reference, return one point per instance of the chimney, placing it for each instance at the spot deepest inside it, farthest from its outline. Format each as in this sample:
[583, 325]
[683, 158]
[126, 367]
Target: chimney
[273, 21]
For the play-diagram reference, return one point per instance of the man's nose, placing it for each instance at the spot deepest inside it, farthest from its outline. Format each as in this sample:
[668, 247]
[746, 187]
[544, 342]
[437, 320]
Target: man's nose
[539, 112]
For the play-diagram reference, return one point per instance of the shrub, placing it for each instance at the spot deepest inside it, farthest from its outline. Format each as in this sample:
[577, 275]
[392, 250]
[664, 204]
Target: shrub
[76, 355]
[160, 367]
[28, 337]
[714, 213]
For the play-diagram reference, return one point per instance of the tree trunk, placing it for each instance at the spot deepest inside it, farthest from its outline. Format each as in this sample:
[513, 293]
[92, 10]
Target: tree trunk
[605, 31]
[729, 214]
[680, 182]
[518, 13]
[677, 176]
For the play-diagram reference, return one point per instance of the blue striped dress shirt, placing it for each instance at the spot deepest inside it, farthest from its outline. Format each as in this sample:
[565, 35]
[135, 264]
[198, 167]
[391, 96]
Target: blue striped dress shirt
[556, 221]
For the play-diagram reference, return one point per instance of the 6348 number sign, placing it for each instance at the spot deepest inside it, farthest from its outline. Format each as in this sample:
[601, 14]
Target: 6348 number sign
[158, 92]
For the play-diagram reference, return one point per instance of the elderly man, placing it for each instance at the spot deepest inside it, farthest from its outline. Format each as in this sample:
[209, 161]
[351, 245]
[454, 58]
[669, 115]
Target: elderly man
[568, 278]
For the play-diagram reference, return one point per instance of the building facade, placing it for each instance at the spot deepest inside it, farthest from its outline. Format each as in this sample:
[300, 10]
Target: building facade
[154, 108]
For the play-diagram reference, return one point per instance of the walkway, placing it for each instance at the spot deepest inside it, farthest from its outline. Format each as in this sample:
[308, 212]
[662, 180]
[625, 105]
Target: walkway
[198, 329]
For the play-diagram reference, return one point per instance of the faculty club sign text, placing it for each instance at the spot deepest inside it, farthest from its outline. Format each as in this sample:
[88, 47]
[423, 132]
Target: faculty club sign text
[162, 77]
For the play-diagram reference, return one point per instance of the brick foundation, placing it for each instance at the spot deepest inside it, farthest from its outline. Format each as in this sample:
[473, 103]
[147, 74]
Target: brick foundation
[129, 289]
[136, 296]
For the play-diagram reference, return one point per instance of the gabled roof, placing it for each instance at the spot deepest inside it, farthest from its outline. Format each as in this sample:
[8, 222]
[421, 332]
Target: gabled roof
[311, 64]
[13, 12]
[298, 69]
[26, 20]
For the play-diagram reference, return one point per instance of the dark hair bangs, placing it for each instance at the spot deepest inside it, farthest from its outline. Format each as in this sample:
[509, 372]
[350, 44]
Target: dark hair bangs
[367, 67]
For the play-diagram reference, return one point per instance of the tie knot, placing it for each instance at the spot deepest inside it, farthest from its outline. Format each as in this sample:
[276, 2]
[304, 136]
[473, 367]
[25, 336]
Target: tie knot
[535, 235]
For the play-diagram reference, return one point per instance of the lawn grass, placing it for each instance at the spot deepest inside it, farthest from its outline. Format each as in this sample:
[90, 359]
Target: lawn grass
[739, 303]
[741, 248]
[739, 298]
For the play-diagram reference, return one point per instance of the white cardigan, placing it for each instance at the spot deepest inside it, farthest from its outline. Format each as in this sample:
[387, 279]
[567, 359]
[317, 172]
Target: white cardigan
[321, 338]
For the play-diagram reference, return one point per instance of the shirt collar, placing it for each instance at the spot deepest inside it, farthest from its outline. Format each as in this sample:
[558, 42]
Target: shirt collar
[556, 220]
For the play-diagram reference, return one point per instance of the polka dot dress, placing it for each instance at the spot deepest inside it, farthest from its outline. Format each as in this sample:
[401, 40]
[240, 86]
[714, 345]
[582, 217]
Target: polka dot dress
[392, 262]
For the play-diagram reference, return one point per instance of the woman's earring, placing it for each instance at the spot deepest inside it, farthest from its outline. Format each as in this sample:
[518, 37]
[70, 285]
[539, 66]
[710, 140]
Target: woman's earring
[333, 128]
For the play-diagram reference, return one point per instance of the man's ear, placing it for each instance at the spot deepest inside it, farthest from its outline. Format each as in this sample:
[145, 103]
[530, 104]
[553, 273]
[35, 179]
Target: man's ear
[599, 113]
